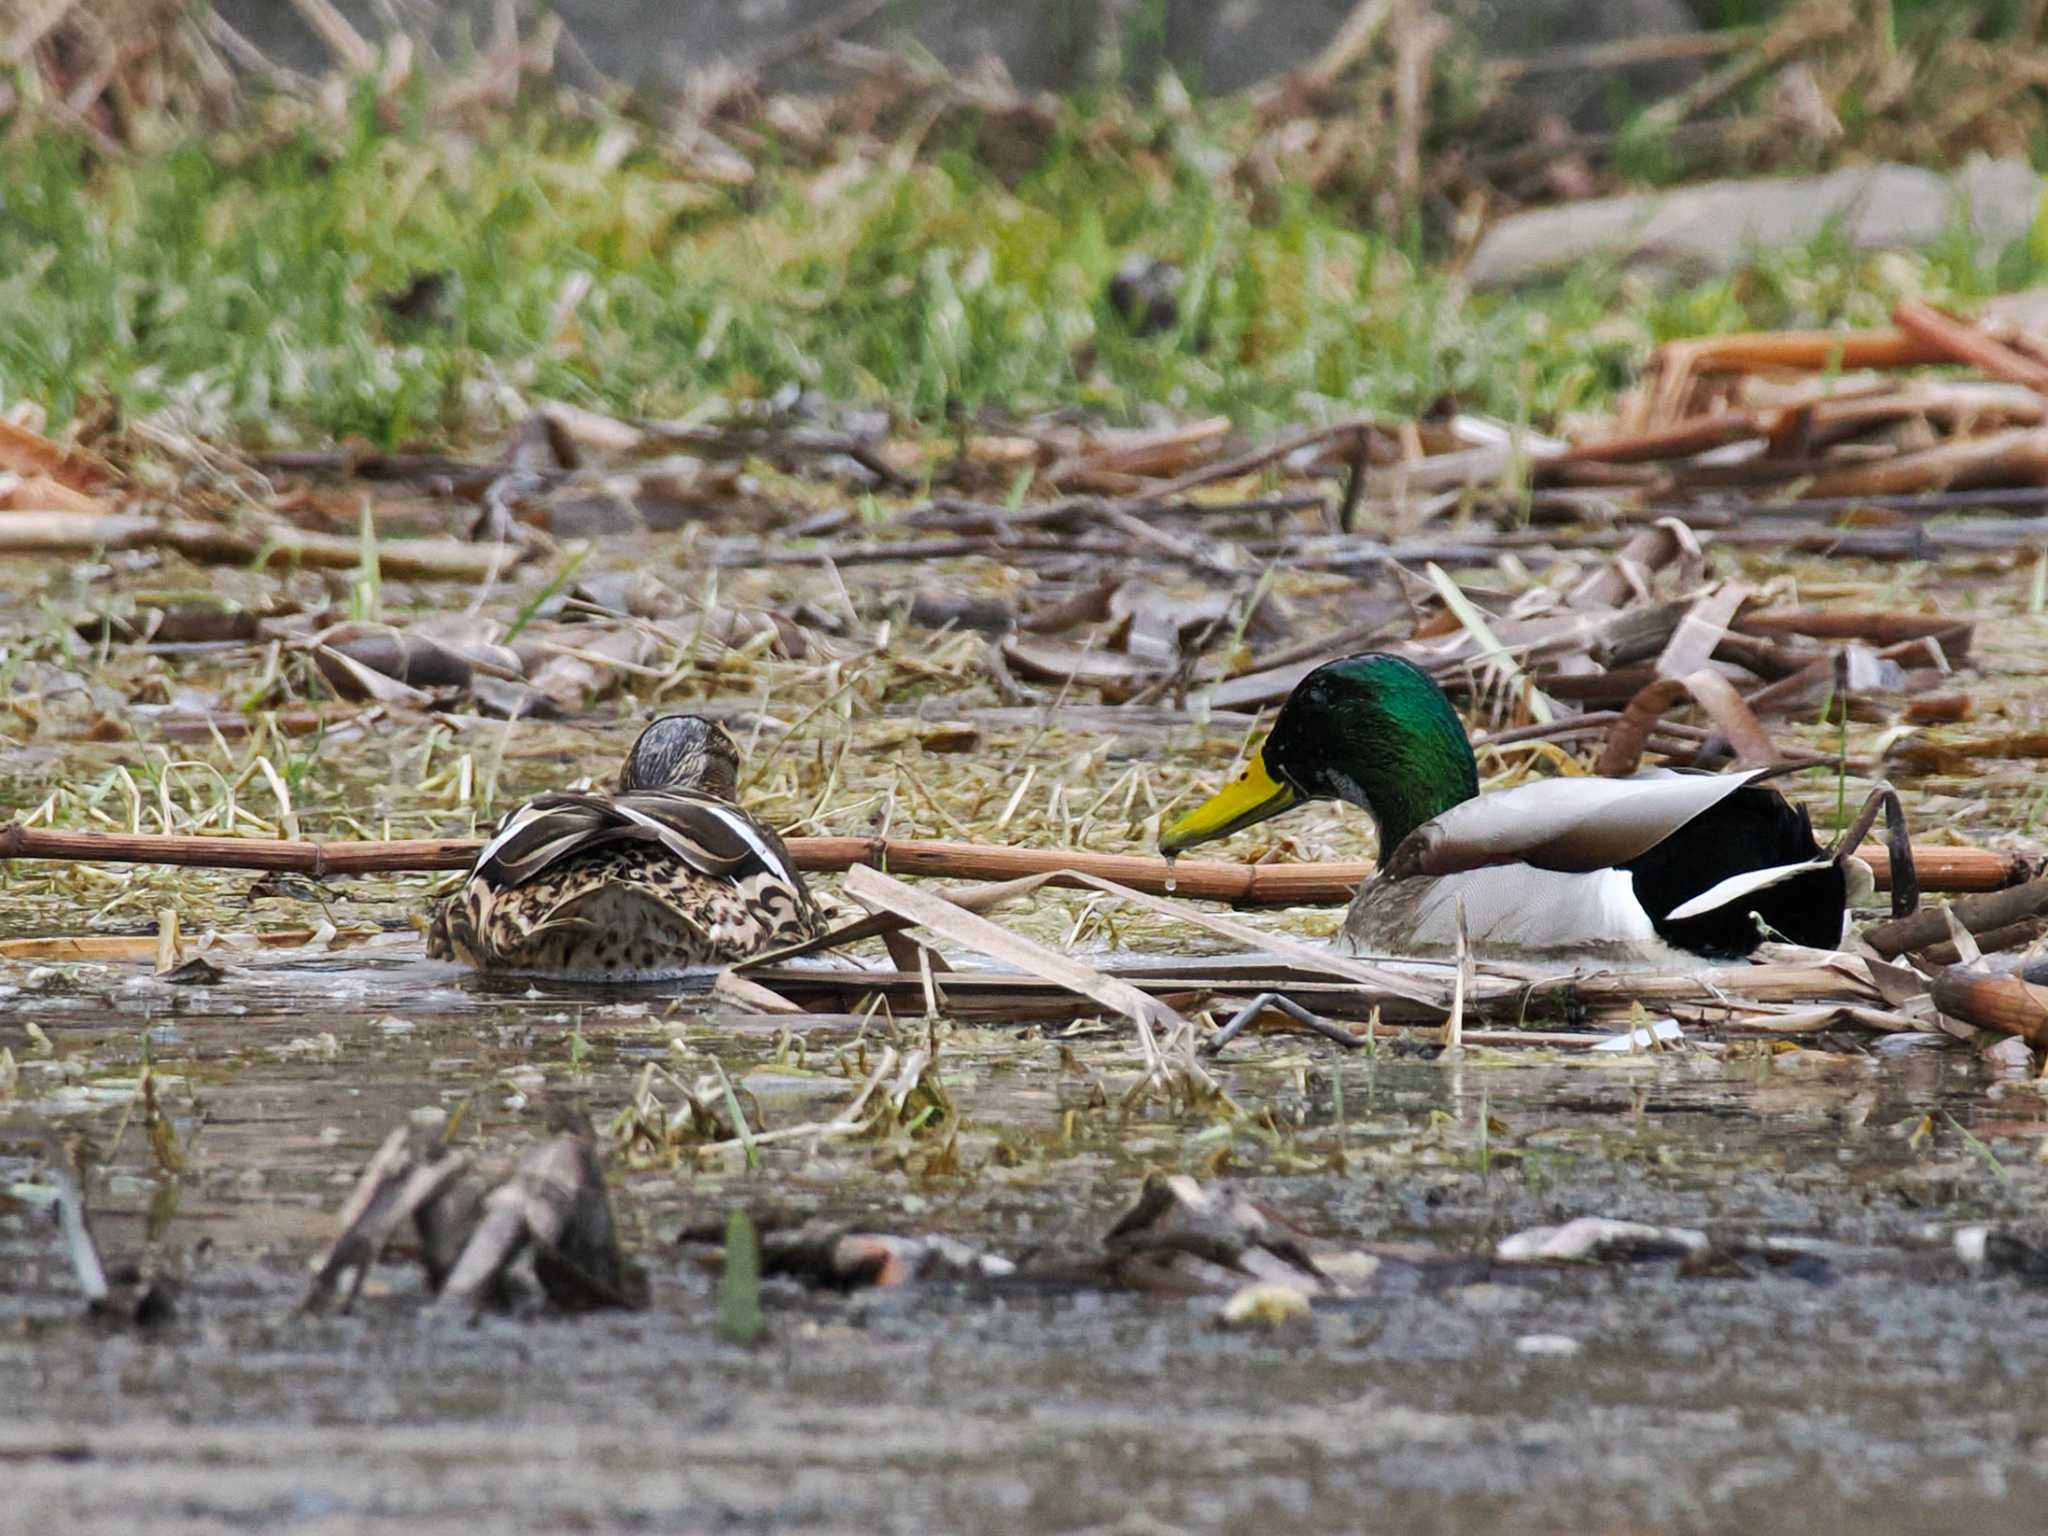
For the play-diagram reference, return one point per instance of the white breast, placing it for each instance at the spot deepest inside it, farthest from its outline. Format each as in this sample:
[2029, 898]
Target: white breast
[1511, 912]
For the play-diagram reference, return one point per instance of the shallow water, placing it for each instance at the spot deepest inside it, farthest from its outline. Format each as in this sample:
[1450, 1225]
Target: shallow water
[1872, 1386]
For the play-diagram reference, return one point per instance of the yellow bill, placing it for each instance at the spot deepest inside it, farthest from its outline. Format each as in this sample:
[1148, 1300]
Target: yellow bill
[1249, 798]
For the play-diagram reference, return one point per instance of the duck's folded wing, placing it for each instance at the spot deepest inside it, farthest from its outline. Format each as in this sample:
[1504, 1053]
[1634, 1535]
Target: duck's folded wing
[702, 833]
[1570, 825]
[1740, 887]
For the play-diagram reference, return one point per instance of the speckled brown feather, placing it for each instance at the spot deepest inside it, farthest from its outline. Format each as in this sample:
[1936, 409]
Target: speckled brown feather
[624, 887]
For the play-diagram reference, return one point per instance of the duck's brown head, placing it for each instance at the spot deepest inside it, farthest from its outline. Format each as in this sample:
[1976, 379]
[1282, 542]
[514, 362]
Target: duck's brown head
[683, 752]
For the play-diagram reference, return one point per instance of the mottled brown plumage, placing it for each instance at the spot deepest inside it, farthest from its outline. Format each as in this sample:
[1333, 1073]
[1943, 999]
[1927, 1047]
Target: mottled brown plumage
[666, 874]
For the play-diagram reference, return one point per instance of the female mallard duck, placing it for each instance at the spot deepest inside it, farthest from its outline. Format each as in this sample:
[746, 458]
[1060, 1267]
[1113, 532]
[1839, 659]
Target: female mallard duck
[666, 874]
[1655, 869]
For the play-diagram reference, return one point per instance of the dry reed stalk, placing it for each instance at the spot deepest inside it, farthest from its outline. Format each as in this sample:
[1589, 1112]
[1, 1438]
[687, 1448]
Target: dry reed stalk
[1960, 342]
[42, 532]
[1805, 351]
[1247, 885]
[2009, 1003]
[2015, 457]
[1679, 441]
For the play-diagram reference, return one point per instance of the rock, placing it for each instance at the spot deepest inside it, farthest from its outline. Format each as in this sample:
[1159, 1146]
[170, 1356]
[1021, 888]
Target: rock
[1719, 226]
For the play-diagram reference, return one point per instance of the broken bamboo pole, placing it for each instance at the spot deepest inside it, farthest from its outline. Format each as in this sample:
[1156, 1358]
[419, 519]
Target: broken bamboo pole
[1243, 884]
[1958, 341]
[55, 532]
[1679, 441]
[1809, 351]
[1984, 913]
[2006, 1001]
[1273, 885]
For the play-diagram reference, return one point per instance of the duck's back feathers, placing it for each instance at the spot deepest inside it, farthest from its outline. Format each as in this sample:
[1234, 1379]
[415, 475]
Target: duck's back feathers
[624, 887]
[711, 836]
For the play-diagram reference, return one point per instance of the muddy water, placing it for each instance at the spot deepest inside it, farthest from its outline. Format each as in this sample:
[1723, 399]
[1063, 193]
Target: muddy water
[1870, 1386]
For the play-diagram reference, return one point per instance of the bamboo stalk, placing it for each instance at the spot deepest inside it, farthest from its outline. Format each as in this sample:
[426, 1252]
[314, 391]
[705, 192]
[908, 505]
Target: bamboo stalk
[1929, 926]
[1960, 342]
[303, 858]
[1277, 885]
[2009, 1003]
[2017, 456]
[1679, 441]
[1242, 884]
[1951, 869]
[47, 532]
[1810, 351]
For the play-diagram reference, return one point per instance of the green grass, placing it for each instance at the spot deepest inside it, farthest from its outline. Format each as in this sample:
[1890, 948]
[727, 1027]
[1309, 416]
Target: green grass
[230, 288]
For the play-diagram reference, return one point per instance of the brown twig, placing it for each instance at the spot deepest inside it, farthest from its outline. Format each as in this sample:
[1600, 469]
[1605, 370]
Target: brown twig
[69, 533]
[1280, 885]
[1246, 463]
[1680, 441]
[2012, 1004]
[1795, 30]
[1929, 926]
[1622, 53]
[1957, 341]
[1808, 351]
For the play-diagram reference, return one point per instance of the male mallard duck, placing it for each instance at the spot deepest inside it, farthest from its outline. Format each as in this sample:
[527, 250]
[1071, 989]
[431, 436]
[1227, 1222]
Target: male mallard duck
[1659, 868]
[666, 874]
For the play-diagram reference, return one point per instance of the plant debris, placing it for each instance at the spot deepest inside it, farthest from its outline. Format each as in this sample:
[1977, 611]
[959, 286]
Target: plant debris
[554, 1207]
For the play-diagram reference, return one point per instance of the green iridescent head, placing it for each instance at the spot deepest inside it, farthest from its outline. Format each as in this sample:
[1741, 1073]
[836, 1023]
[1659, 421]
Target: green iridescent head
[1370, 729]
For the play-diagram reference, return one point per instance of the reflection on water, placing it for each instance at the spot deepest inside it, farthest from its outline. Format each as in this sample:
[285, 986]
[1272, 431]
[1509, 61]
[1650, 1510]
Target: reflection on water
[1883, 1390]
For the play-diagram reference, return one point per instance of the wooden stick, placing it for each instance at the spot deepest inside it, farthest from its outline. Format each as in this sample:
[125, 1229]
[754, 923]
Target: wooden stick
[2010, 1003]
[1877, 628]
[1680, 441]
[1793, 31]
[1951, 869]
[2017, 456]
[1257, 459]
[304, 858]
[1245, 885]
[1809, 351]
[1929, 926]
[42, 532]
[1960, 342]
[1657, 48]
[1716, 995]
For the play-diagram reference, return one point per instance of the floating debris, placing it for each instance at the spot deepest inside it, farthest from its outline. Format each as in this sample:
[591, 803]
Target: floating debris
[1599, 1239]
[557, 1207]
[1186, 1240]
